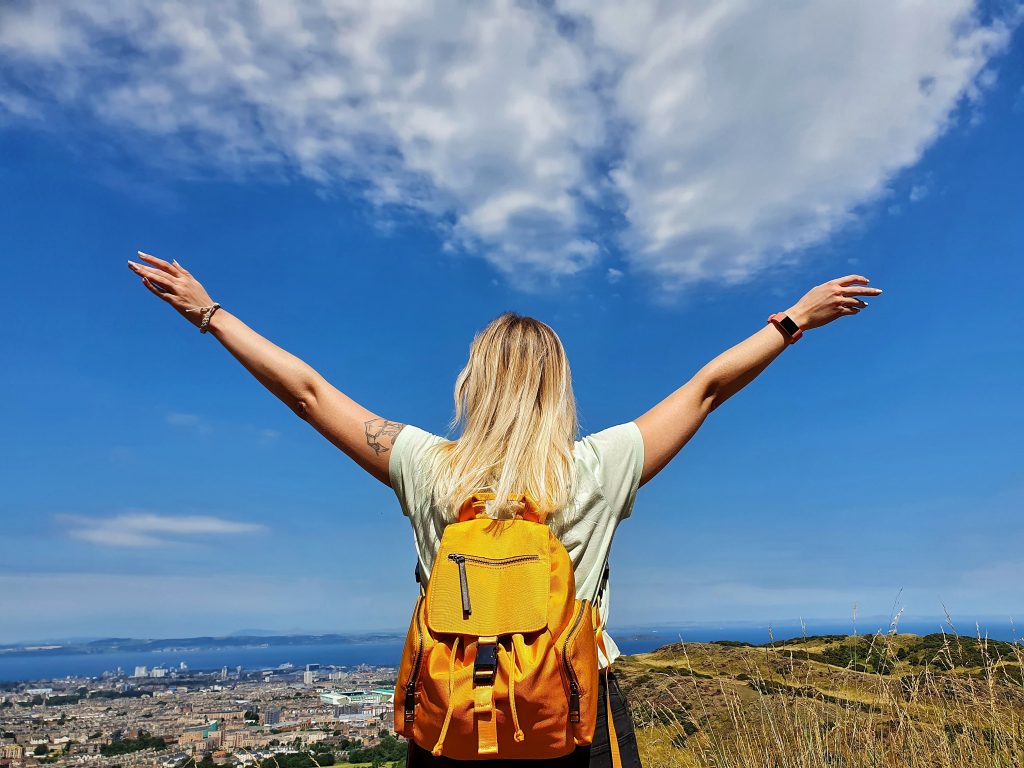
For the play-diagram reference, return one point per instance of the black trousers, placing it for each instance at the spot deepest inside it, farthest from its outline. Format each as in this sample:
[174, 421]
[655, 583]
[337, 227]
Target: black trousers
[596, 755]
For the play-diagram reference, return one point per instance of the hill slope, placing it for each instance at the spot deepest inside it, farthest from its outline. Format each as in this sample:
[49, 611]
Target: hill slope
[897, 699]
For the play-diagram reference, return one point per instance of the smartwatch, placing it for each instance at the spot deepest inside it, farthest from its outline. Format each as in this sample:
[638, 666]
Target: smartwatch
[785, 323]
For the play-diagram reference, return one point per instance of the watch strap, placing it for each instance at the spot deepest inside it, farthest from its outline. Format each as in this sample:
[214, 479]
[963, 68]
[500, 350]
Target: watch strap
[789, 328]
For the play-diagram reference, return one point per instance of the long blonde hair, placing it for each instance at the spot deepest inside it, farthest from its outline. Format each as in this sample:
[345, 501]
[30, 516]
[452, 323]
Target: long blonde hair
[515, 402]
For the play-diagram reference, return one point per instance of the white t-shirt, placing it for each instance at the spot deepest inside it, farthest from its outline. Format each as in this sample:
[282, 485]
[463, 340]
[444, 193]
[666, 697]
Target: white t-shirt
[608, 463]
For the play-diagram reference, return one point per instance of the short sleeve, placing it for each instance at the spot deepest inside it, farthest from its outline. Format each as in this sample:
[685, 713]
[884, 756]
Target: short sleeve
[403, 466]
[616, 457]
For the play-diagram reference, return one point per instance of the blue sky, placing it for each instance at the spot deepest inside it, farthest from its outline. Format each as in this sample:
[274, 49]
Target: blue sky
[151, 487]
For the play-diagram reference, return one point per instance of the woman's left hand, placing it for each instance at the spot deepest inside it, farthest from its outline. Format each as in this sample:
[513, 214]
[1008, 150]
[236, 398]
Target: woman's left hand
[175, 285]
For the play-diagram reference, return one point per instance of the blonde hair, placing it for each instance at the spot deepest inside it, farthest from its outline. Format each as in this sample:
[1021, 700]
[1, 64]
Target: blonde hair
[515, 402]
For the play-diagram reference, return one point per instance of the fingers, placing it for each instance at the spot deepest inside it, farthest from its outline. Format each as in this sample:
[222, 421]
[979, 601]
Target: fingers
[156, 275]
[165, 266]
[162, 294]
[850, 279]
[850, 301]
[862, 290]
[836, 298]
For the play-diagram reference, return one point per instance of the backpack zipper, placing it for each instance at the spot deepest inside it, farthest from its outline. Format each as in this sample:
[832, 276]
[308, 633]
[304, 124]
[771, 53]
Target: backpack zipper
[574, 686]
[461, 560]
[410, 687]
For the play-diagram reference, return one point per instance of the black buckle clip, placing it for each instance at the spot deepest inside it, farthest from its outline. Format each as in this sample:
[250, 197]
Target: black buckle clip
[485, 664]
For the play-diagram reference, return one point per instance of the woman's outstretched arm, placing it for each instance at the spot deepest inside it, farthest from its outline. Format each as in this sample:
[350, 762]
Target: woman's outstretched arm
[668, 426]
[361, 434]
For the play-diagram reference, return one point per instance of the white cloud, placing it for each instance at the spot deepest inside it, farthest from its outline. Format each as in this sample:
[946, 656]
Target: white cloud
[182, 419]
[757, 129]
[727, 134]
[191, 420]
[269, 435]
[139, 528]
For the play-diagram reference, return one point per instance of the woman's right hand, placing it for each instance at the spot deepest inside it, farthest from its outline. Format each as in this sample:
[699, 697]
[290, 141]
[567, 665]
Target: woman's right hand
[830, 300]
[175, 285]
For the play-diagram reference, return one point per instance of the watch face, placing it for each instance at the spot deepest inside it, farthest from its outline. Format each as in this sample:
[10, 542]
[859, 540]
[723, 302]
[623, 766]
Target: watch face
[790, 327]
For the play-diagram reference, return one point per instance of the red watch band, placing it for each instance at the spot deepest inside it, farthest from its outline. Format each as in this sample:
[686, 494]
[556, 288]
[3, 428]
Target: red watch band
[778, 318]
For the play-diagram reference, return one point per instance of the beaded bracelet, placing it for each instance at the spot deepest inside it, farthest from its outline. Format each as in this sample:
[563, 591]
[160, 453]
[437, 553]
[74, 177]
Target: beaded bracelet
[207, 315]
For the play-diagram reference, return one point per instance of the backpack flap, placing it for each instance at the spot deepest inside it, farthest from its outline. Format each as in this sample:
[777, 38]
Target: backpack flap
[480, 565]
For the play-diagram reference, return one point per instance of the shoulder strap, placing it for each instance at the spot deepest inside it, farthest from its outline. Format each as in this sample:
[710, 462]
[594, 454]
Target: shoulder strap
[602, 583]
[613, 737]
[419, 577]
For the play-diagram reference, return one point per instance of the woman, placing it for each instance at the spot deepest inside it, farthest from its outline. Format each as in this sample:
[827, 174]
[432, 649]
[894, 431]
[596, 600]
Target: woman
[515, 403]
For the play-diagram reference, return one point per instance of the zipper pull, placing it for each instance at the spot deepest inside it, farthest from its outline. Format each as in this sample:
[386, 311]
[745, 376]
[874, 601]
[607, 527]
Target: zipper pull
[463, 583]
[574, 703]
[410, 701]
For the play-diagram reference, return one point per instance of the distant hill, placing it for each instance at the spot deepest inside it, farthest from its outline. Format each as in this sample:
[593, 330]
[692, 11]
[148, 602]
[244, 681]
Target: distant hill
[128, 644]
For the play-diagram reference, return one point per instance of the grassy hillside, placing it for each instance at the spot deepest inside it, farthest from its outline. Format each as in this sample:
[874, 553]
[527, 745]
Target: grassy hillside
[830, 701]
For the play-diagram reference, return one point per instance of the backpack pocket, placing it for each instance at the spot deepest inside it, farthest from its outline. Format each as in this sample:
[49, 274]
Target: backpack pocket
[469, 593]
[412, 665]
[576, 649]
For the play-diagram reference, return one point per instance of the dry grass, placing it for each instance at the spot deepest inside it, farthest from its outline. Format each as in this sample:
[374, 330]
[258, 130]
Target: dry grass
[900, 700]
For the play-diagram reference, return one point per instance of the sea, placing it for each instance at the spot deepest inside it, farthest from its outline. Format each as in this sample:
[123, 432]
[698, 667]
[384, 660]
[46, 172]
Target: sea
[41, 666]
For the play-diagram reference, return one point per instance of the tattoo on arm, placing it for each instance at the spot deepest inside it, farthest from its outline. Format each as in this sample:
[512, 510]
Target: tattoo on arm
[377, 430]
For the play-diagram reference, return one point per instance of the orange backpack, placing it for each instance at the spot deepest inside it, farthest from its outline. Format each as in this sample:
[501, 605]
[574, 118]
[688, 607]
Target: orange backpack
[501, 657]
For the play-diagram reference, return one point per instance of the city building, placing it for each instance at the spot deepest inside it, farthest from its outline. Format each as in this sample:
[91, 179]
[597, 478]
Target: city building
[271, 716]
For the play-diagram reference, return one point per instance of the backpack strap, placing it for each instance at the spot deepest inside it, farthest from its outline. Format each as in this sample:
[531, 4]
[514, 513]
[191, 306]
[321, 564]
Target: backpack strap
[613, 737]
[599, 595]
[418, 575]
[602, 583]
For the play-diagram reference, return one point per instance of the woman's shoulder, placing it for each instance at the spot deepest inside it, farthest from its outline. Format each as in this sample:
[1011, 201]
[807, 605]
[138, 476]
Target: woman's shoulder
[408, 451]
[411, 440]
[616, 442]
[609, 464]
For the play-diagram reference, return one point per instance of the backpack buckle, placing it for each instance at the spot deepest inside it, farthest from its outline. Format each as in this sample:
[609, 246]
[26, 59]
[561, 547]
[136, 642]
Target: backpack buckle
[486, 662]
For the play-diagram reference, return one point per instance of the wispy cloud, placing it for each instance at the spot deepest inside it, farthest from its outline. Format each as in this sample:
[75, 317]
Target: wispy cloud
[723, 136]
[983, 591]
[149, 529]
[182, 419]
[50, 604]
[188, 420]
[269, 435]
